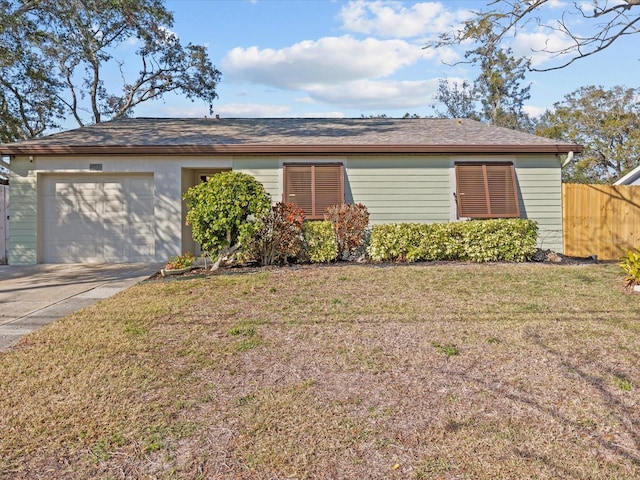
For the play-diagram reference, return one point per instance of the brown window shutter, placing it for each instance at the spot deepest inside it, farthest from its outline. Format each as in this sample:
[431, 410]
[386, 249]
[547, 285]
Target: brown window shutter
[314, 187]
[487, 190]
[297, 186]
[329, 188]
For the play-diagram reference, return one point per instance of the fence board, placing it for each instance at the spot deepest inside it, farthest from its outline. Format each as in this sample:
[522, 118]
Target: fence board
[601, 220]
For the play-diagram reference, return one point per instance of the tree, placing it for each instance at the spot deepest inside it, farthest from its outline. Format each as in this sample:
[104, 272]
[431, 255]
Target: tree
[498, 88]
[28, 103]
[55, 56]
[606, 122]
[459, 100]
[223, 212]
[586, 27]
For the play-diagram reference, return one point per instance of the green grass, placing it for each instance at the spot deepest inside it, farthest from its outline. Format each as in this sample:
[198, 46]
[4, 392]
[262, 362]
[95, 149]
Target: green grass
[457, 371]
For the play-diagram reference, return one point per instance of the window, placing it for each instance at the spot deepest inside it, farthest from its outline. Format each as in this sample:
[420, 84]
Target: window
[313, 187]
[487, 190]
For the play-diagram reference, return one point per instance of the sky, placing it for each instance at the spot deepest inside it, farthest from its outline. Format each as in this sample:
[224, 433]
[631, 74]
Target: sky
[352, 58]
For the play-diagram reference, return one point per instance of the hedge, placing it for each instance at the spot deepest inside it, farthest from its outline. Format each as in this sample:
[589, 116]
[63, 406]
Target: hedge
[319, 240]
[511, 240]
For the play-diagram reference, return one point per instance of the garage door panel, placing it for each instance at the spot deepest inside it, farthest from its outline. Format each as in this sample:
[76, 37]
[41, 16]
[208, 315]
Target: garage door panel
[114, 205]
[139, 253]
[101, 218]
[141, 207]
[70, 252]
[141, 234]
[88, 206]
[73, 234]
[141, 186]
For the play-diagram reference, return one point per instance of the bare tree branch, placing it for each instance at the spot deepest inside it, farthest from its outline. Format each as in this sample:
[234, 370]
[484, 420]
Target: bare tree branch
[607, 22]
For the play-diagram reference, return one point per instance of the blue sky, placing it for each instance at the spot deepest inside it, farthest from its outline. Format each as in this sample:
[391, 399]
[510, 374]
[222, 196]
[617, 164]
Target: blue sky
[347, 58]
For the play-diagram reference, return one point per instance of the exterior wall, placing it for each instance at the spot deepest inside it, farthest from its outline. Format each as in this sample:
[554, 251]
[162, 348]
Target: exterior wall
[539, 191]
[420, 189]
[401, 189]
[540, 183]
[394, 189]
[23, 244]
[167, 172]
[4, 222]
[267, 170]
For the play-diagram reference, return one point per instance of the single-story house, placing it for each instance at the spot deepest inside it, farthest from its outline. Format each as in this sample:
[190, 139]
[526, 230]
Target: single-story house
[631, 178]
[112, 192]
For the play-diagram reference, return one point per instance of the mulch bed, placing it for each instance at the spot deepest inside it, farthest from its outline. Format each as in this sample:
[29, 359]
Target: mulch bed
[541, 256]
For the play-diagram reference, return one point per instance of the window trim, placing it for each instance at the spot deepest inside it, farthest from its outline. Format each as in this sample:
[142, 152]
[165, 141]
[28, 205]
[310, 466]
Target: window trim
[313, 215]
[509, 191]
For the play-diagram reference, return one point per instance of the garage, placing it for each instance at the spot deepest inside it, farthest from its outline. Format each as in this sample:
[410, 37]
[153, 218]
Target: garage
[97, 218]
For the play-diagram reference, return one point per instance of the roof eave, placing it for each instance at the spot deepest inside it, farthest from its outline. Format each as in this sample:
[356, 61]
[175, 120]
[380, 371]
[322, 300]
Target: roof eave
[17, 149]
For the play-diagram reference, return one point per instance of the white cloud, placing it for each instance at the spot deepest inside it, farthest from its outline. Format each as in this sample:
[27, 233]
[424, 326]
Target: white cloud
[251, 110]
[534, 111]
[392, 18]
[155, 109]
[377, 94]
[557, 4]
[540, 45]
[327, 60]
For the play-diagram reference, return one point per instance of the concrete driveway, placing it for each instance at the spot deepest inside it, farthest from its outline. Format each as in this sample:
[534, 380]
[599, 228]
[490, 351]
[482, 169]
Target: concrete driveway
[32, 296]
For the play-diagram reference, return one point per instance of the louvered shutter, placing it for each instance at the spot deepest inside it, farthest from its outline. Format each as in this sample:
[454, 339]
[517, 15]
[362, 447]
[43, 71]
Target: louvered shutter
[313, 187]
[487, 190]
[298, 186]
[328, 188]
[503, 198]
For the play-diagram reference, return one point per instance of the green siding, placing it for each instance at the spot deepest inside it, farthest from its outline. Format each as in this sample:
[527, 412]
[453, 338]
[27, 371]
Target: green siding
[23, 243]
[265, 169]
[541, 197]
[401, 189]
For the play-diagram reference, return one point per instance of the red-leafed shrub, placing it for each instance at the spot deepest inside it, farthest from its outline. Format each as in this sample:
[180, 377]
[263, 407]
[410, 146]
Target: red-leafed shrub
[350, 223]
[278, 235]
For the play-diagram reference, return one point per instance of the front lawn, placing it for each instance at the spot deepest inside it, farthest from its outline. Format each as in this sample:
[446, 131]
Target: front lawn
[459, 371]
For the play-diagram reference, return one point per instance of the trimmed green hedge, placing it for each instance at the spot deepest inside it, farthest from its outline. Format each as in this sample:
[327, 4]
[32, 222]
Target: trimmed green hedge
[511, 240]
[320, 244]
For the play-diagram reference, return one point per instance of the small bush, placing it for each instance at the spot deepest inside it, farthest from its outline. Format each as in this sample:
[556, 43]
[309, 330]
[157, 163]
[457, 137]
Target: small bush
[512, 240]
[320, 245]
[350, 223]
[277, 236]
[630, 265]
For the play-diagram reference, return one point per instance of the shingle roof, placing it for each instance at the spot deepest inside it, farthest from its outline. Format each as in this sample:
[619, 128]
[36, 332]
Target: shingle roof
[288, 135]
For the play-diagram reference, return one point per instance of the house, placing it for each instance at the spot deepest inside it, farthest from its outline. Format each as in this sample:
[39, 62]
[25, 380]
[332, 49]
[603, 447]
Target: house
[631, 178]
[112, 192]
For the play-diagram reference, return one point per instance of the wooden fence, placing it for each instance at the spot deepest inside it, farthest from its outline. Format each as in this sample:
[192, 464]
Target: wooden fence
[602, 220]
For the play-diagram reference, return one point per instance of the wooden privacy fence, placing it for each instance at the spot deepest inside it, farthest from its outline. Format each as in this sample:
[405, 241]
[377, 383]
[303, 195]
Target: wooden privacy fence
[602, 220]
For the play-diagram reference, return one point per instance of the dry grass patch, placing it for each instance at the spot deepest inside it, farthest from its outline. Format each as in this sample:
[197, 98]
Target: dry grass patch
[419, 372]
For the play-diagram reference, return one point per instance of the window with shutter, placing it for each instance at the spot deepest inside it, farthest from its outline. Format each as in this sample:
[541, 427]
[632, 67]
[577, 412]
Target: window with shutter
[313, 187]
[487, 190]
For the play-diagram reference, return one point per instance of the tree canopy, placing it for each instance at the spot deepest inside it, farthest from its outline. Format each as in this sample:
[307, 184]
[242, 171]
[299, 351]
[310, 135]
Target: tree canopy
[54, 57]
[583, 28]
[498, 89]
[606, 122]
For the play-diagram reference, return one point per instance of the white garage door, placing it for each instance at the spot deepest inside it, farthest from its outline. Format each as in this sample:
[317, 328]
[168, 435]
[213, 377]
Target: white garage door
[98, 218]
